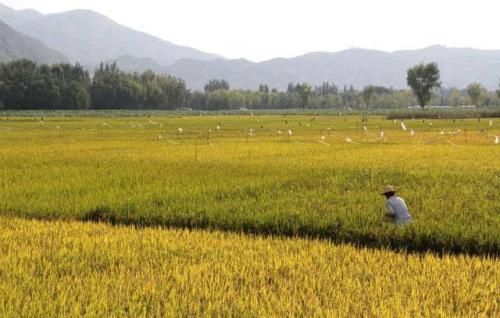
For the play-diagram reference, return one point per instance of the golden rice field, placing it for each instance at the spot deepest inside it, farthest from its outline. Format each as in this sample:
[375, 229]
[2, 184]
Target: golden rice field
[68, 269]
[119, 207]
[301, 176]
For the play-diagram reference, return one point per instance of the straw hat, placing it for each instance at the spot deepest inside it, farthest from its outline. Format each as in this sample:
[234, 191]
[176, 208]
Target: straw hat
[388, 189]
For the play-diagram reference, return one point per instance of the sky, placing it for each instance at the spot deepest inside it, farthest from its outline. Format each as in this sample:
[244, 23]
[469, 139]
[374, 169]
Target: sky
[262, 29]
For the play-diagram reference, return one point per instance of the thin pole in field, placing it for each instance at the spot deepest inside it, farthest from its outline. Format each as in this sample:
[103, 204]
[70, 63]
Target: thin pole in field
[195, 150]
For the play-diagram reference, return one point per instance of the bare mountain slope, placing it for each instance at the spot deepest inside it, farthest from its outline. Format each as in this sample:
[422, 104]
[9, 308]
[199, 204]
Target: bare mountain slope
[357, 67]
[90, 38]
[14, 46]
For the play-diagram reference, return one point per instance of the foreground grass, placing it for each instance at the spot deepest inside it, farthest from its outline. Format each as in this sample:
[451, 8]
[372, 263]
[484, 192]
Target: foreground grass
[245, 176]
[56, 269]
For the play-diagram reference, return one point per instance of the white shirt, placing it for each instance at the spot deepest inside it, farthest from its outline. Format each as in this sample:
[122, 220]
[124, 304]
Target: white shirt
[396, 207]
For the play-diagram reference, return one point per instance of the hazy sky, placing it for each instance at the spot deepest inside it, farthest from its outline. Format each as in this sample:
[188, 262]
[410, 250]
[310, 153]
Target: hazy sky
[263, 29]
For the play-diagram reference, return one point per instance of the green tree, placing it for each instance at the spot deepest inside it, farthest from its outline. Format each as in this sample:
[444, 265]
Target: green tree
[368, 93]
[216, 84]
[474, 91]
[304, 92]
[422, 79]
[263, 88]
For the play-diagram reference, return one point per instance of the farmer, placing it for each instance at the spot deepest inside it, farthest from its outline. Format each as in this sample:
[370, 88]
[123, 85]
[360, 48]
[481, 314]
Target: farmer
[396, 207]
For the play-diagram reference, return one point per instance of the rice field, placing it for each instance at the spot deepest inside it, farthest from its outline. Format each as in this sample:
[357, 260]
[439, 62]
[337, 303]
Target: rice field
[253, 216]
[68, 269]
[306, 176]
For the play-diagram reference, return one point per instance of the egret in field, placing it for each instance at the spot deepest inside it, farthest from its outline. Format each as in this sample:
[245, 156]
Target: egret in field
[412, 132]
[403, 126]
[218, 128]
[348, 140]
[497, 140]
[491, 123]
[180, 130]
[290, 132]
[382, 134]
[280, 132]
[364, 128]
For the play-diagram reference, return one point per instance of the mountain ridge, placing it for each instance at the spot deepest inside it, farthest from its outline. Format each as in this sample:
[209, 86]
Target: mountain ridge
[15, 46]
[88, 37]
[357, 67]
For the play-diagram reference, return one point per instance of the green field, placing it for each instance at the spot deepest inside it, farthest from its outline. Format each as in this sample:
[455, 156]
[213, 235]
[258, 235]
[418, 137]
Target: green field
[321, 181]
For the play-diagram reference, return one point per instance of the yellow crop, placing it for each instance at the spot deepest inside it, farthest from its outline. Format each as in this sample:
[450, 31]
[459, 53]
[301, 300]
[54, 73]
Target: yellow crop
[56, 269]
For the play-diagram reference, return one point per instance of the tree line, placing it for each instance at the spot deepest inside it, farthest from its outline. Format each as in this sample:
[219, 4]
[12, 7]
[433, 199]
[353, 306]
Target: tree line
[27, 85]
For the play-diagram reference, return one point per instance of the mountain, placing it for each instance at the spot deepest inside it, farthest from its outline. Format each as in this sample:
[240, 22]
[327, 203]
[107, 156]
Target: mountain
[14, 46]
[357, 67]
[131, 64]
[15, 17]
[89, 38]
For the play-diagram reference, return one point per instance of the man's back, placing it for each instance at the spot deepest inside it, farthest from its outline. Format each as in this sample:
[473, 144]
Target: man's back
[396, 207]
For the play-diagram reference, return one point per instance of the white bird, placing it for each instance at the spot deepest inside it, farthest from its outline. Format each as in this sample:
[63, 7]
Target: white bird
[280, 132]
[412, 132]
[491, 123]
[382, 134]
[160, 137]
[403, 126]
[394, 121]
[290, 132]
[442, 132]
[497, 140]
[218, 128]
[364, 128]
[348, 140]
[323, 137]
[180, 130]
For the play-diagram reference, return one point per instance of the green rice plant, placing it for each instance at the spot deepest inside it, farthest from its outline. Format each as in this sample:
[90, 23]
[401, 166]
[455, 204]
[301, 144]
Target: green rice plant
[304, 185]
